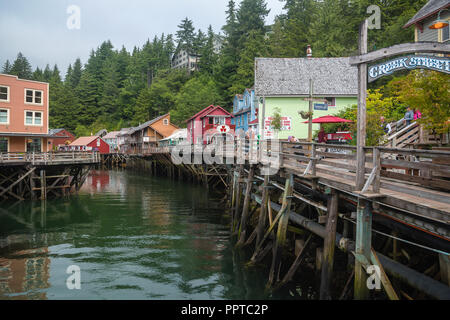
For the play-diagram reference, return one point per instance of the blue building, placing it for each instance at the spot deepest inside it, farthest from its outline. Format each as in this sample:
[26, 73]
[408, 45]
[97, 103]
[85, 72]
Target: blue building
[245, 110]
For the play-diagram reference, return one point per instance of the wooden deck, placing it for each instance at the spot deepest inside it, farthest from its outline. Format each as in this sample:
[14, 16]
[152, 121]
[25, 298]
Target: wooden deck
[48, 158]
[416, 182]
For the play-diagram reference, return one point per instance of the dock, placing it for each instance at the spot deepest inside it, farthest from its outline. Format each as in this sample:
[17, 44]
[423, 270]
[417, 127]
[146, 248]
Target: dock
[403, 203]
[37, 175]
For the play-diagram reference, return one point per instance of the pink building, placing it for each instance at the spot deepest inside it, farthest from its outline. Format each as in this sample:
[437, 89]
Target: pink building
[203, 126]
[23, 115]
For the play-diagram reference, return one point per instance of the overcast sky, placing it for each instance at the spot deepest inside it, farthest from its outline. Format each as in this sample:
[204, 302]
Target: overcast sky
[38, 28]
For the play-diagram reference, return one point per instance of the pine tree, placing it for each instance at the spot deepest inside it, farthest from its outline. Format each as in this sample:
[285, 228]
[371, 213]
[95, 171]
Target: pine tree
[75, 77]
[251, 16]
[208, 58]
[47, 74]
[6, 67]
[38, 75]
[21, 67]
[185, 34]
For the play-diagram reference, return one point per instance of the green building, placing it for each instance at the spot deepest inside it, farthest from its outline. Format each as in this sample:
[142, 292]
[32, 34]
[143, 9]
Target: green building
[285, 84]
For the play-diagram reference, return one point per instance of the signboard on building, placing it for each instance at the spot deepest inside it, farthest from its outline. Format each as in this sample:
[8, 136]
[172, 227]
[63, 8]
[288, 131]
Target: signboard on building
[286, 125]
[441, 64]
[321, 106]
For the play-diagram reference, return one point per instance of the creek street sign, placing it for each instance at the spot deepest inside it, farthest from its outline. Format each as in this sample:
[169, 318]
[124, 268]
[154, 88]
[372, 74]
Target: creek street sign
[441, 64]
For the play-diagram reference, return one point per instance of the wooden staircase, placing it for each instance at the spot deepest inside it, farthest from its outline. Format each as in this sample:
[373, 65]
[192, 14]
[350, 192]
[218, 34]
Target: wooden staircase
[401, 137]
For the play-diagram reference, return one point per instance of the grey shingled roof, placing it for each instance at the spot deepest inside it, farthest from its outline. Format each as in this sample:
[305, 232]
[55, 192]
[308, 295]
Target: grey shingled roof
[432, 7]
[284, 77]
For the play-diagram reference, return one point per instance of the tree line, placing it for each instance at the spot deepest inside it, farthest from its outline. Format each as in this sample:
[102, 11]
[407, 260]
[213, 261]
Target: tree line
[116, 88]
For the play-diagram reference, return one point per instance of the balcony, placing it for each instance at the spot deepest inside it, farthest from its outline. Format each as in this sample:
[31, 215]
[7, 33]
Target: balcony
[215, 126]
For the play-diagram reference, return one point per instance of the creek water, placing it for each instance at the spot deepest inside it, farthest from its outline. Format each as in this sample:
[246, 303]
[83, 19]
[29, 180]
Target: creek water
[132, 236]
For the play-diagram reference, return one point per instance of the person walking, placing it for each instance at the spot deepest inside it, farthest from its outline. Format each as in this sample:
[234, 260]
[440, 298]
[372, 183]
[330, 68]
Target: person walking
[417, 114]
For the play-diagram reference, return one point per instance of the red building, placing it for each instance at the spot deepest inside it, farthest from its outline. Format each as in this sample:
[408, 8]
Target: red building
[59, 137]
[211, 121]
[91, 143]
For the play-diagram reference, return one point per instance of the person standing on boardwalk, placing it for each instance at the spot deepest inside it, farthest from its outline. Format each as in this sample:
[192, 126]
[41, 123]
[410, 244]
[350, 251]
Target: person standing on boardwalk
[322, 136]
[409, 116]
[417, 114]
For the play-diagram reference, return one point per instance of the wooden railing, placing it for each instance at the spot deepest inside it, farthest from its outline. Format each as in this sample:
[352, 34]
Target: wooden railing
[405, 136]
[44, 158]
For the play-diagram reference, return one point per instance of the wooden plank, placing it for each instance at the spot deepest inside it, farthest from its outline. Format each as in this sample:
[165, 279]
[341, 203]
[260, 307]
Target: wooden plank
[429, 182]
[404, 48]
[416, 165]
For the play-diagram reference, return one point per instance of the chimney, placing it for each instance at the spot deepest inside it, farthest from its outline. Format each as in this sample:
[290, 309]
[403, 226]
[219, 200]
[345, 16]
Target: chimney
[309, 52]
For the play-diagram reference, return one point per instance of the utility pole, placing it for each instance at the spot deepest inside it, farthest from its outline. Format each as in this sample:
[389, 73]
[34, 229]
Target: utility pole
[311, 88]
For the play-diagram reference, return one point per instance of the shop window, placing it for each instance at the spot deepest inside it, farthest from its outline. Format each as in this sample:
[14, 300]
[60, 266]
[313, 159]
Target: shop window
[34, 145]
[4, 144]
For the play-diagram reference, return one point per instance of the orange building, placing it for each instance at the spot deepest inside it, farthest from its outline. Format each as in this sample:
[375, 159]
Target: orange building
[147, 135]
[23, 115]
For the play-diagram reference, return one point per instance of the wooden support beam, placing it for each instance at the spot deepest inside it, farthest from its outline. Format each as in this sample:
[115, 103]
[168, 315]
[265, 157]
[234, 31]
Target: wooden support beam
[383, 277]
[297, 262]
[328, 247]
[244, 217]
[16, 182]
[362, 96]
[262, 221]
[363, 247]
[282, 230]
[43, 185]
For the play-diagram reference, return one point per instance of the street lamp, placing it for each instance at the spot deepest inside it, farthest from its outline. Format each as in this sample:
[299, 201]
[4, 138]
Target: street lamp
[439, 23]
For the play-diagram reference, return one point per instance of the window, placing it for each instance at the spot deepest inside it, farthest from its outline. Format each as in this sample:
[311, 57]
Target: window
[4, 144]
[4, 93]
[4, 116]
[33, 118]
[219, 120]
[445, 34]
[166, 122]
[34, 145]
[33, 96]
[331, 101]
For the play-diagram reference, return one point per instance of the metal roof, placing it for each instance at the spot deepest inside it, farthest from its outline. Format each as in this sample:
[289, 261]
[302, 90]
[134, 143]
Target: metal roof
[290, 76]
[84, 141]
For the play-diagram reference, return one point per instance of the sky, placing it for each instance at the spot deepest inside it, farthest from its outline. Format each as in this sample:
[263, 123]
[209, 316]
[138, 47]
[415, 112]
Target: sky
[39, 28]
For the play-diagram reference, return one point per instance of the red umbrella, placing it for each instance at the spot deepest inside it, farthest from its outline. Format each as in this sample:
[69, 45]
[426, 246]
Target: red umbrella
[329, 119]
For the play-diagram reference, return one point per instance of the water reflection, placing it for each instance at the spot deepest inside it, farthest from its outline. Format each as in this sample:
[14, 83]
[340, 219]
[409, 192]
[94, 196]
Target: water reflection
[133, 237]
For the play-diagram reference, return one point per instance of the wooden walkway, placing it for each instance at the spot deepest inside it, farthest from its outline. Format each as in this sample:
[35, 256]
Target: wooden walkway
[416, 182]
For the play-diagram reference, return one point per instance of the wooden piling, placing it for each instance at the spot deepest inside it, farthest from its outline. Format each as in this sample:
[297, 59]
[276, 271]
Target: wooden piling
[328, 247]
[363, 247]
[244, 217]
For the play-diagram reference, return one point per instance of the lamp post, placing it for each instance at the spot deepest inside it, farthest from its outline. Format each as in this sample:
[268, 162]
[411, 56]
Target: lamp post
[439, 23]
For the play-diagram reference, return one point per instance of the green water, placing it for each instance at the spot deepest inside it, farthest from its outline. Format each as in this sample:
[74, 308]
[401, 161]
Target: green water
[132, 236]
